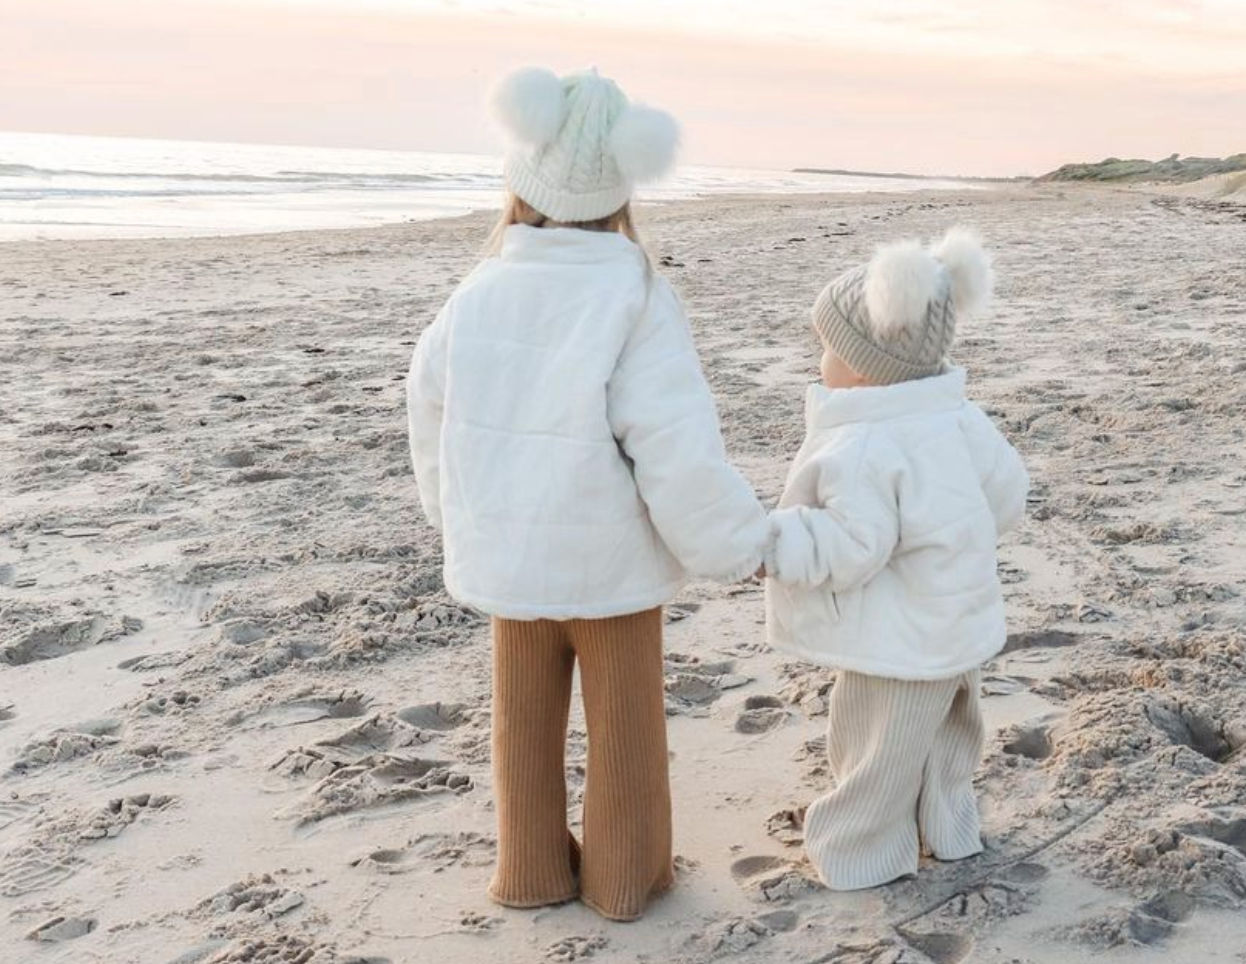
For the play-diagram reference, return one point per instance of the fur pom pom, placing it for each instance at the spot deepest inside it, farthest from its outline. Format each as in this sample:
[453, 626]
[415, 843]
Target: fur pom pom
[644, 141]
[530, 106]
[900, 282]
[969, 267]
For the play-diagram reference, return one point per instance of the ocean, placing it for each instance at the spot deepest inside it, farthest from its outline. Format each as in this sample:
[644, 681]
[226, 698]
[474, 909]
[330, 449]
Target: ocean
[68, 186]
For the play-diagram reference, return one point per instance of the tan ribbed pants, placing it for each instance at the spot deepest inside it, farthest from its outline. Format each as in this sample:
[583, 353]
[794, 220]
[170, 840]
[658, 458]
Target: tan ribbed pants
[626, 854]
[903, 754]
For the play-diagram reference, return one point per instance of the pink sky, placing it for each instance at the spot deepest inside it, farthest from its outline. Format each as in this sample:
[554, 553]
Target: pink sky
[985, 88]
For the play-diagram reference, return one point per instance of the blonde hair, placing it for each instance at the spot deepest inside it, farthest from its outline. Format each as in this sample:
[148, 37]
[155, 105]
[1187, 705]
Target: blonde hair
[518, 211]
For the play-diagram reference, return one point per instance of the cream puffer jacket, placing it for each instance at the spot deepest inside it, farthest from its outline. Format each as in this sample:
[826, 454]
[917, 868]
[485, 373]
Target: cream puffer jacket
[565, 441]
[882, 553]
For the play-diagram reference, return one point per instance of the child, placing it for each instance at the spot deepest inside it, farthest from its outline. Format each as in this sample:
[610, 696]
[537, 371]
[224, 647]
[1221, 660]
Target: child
[567, 447]
[882, 561]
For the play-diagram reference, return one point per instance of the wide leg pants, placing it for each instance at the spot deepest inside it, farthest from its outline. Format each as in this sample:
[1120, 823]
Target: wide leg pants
[903, 754]
[626, 854]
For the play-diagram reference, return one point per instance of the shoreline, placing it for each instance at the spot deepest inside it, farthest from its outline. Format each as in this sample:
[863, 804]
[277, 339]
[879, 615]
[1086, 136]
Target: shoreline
[19, 231]
[491, 212]
[1219, 189]
[224, 611]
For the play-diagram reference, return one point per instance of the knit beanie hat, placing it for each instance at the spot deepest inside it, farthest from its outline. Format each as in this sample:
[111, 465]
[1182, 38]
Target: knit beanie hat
[894, 319]
[577, 146]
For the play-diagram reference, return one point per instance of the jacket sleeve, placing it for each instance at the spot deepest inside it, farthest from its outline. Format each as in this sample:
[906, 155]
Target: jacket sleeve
[426, 389]
[1005, 482]
[847, 538]
[663, 416]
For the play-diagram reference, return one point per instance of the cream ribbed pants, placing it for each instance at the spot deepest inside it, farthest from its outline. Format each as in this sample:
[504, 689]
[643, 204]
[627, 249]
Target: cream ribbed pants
[626, 855]
[903, 754]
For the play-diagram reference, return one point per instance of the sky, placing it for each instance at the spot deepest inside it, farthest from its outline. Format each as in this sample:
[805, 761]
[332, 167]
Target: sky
[976, 87]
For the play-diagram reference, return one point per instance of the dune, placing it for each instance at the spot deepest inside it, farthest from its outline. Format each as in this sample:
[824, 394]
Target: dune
[1227, 186]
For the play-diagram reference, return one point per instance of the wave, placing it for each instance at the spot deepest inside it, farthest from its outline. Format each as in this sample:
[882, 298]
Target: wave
[361, 178]
[82, 194]
[370, 175]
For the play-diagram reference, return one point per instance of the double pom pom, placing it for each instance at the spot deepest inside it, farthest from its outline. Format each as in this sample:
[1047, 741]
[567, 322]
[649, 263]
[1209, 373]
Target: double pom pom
[903, 279]
[531, 106]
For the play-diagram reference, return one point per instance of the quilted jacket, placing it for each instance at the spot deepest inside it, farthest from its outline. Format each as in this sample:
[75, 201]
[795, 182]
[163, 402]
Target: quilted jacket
[564, 439]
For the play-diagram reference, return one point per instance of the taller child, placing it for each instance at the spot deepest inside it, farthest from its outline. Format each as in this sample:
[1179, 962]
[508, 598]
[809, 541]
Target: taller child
[567, 446]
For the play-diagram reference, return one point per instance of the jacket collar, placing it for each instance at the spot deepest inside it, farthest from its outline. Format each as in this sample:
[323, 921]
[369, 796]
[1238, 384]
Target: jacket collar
[520, 242]
[830, 407]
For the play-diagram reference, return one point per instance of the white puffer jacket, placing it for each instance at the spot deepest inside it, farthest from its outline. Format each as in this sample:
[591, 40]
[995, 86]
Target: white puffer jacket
[882, 551]
[565, 441]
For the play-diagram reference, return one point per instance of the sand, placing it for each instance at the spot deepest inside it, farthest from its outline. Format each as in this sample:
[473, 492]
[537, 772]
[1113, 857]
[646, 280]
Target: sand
[1228, 186]
[240, 720]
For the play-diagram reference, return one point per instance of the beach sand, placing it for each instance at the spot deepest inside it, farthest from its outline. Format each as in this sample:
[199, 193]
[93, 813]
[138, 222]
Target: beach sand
[240, 720]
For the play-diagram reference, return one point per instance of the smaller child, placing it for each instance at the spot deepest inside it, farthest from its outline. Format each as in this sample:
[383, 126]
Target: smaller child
[882, 561]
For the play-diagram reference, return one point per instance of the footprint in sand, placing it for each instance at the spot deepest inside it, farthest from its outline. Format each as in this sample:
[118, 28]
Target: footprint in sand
[780, 921]
[771, 878]
[83, 740]
[14, 809]
[692, 685]
[435, 850]
[1001, 896]
[283, 948]
[999, 685]
[787, 826]
[179, 701]
[575, 948]
[243, 631]
[1039, 639]
[941, 948]
[1154, 920]
[141, 664]
[474, 923]
[56, 639]
[378, 734]
[387, 862]
[1226, 826]
[1026, 872]
[677, 612]
[436, 717]
[1185, 725]
[747, 869]
[260, 895]
[30, 869]
[1144, 925]
[367, 766]
[761, 714]
[62, 929]
[346, 705]
[50, 860]
[735, 935]
[1032, 742]
[119, 813]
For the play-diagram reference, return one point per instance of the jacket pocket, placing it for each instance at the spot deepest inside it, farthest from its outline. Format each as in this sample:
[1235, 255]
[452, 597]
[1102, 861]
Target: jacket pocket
[813, 609]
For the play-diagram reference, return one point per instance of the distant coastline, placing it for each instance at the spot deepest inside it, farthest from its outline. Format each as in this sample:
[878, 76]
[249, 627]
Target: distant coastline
[840, 172]
[1173, 169]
